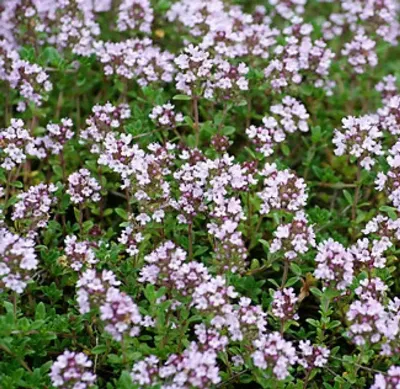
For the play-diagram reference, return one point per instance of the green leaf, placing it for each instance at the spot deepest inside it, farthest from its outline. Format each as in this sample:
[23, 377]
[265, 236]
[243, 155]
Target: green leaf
[348, 196]
[228, 130]
[100, 349]
[77, 214]
[296, 269]
[17, 184]
[316, 134]
[40, 312]
[316, 292]
[285, 149]
[125, 381]
[121, 213]
[291, 281]
[9, 307]
[181, 97]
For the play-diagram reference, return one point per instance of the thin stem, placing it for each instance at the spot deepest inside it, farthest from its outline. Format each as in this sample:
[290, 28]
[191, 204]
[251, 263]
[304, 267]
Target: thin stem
[80, 220]
[282, 327]
[190, 234]
[357, 193]
[196, 119]
[361, 366]
[7, 107]
[338, 185]
[253, 240]
[63, 167]
[14, 300]
[101, 207]
[285, 273]
[306, 378]
[222, 384]
[78, 112]
[123, 349]
[59, 105]
[248, 114]
[249, 215]
[20, 361]
[8, 189]
[128, 200]
[224, 112]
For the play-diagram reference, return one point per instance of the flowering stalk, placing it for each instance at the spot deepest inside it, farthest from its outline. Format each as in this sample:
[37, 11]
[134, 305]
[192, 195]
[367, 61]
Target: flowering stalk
[196, 124]
[356, 193]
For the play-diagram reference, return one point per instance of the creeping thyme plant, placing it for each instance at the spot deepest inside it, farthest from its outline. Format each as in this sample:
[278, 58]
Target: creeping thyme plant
[199, 194]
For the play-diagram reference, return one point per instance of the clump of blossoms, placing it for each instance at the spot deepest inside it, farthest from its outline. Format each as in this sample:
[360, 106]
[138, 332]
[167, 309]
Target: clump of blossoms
[82, 187]
[57, 135]
[391, 330]
[29, 79]
[137, 59]
[389, 381]
[387, 87]
[369, 254]
[291, 115]
[72, 370]
[146, 372]
[136, 15]
[92, 288]
[189, 276]
[34, 205]
[229, 80]
[120, 314]
[17, 260]
[20, 16]
[360, 53]
[312, 356]
[282, 190]
[154, 66]
[210, 338]
[76, 29]
[230, 251]
[298, 59]
[390, 181]
[105, 119]
[196, 16]
[295, 238]
[79, 254]
[195, 71]
[164, 116]
[367, 320]
[117, 152]
[193, 368]
[16, 144]
[214, 297]
[220, 143]
[284, 304]
[374, 16]
[334, 265]
[130, 239]
[288, 9]
[275, 353]
[266, 136]
[384, 227]
[371, 289]
[166, 260]
[389, 115]
[360, 138]
[119, 58]
[191, 178]
[246, 321]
